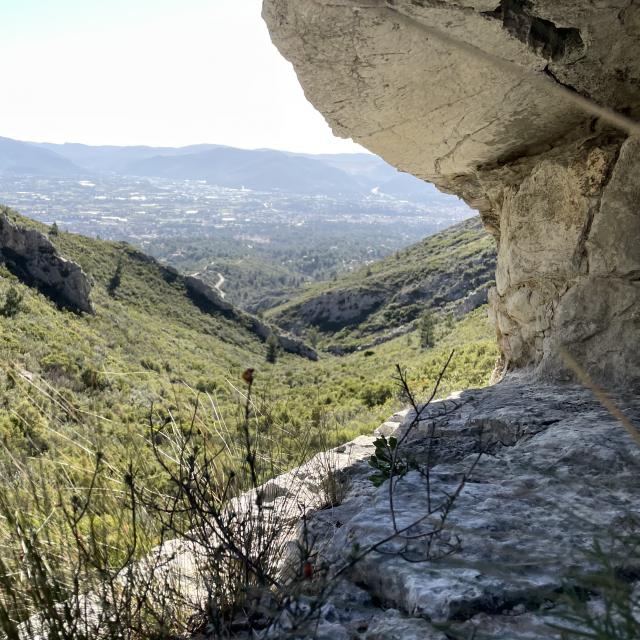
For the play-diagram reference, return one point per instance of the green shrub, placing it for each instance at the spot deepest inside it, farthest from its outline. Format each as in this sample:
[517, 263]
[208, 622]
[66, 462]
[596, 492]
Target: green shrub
[375, 395]
[12, 303]
[206, 386]
[150, 365]
[93, 379]
[59, 363]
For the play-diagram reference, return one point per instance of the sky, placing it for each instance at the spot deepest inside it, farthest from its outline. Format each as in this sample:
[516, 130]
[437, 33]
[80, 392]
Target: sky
[153, 72]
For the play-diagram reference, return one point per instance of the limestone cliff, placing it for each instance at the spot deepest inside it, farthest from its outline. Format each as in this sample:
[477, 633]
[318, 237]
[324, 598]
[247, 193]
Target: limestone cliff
[511, 104]
[33, 258]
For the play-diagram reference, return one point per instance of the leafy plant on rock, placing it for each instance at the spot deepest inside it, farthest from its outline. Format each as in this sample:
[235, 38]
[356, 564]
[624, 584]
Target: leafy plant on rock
[382, 460]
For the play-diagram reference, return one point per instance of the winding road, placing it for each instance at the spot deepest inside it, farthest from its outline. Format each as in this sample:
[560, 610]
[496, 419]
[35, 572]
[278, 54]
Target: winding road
[218, 285]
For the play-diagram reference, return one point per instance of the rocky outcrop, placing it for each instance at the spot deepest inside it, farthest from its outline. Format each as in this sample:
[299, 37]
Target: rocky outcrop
[448, 272]
[558, 472]
[472, 301]
[337, 308]
[209, 299]
[501, 102]
[31, 256]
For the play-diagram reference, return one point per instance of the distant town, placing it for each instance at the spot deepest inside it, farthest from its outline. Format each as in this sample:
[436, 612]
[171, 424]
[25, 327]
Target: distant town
[147, 209]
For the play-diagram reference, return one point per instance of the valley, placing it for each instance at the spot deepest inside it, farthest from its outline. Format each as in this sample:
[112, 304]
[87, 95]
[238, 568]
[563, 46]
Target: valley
[448, 274]
[268, 221]
[185, 290]
[150, 339]
[265, 243]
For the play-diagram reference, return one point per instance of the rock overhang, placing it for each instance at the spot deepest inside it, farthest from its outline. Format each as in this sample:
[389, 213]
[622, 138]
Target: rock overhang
[492, 101]
[427, 102]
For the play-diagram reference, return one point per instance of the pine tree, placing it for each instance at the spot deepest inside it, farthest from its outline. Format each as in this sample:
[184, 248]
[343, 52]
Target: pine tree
[427, 326]
[273, 347]
[12, 303]
[116, 279]
[53, 229]
[313, 336]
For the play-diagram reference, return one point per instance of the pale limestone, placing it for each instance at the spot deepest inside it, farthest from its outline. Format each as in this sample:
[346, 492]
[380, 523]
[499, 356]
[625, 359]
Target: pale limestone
[34, 258]
[418, 84]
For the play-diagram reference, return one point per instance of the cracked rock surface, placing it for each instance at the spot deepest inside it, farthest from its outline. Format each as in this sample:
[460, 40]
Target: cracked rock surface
[558, 473]
[465, 94]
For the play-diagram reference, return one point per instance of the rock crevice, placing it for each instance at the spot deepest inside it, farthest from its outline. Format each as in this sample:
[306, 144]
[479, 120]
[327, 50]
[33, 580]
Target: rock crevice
[540, 35]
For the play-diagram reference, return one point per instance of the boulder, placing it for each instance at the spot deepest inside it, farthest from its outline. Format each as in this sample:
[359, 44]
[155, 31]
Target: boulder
[557, 473]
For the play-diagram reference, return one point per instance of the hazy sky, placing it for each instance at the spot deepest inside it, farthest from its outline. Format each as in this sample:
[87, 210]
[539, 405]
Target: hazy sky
[156, 72]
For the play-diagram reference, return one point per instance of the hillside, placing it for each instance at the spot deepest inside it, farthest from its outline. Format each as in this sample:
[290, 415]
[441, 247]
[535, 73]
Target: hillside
[448, 272]
[149, 341]
[92, 402]
[23, 158]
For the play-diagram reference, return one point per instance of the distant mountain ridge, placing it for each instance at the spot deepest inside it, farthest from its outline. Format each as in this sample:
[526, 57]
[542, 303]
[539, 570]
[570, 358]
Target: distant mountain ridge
[22, 157]
[257, 169]
[260, 170]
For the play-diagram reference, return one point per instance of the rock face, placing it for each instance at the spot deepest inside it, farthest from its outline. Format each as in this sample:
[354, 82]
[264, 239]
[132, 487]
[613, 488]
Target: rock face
[472, 95]
[337, 308]
[33, 258]
[558, 472]
[209, 298]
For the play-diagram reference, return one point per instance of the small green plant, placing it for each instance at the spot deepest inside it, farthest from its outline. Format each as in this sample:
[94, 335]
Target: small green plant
[53, 230]
[12, 303]
[382, 460]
